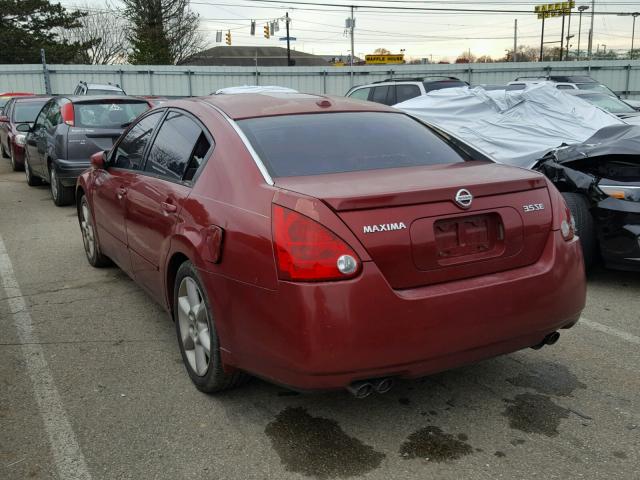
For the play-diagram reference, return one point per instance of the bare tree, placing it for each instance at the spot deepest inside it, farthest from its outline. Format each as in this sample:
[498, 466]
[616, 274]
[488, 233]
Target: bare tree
[105, 29]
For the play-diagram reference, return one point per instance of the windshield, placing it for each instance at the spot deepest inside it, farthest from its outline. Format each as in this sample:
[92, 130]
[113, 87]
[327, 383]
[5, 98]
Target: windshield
[596, 87]
[317, 144]
[3, 101]
[100, 91]
[608, 103]
[26, 112]
[109, 114]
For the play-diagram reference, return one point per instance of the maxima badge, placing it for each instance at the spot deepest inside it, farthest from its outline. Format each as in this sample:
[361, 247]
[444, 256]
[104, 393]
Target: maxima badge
[464, 198]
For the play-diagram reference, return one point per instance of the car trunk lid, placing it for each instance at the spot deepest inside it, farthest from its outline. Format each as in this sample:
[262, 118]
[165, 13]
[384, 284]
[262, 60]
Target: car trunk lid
[415, 232]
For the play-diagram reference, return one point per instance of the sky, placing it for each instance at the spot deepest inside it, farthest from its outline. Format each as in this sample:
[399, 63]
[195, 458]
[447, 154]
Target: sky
[434, 35]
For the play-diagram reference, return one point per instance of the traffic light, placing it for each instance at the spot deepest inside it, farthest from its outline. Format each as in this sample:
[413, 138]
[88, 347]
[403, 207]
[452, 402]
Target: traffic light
[228, 36]
[266, 31]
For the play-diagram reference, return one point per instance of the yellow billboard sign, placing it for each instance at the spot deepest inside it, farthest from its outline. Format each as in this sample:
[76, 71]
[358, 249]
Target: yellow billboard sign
[549, 10]
[383, 59]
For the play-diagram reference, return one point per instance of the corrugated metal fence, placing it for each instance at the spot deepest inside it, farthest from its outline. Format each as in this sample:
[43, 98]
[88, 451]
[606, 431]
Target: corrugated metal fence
[622, 76]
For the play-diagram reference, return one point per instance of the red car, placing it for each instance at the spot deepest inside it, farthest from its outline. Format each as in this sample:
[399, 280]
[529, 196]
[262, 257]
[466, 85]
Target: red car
[18, 111]
[323, 242]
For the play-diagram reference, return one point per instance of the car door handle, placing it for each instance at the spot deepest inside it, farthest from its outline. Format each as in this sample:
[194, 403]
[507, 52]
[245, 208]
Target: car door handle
[168, 207]
[121, 192]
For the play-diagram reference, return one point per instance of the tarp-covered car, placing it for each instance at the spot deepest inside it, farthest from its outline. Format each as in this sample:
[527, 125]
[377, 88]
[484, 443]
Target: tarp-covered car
[592, 156]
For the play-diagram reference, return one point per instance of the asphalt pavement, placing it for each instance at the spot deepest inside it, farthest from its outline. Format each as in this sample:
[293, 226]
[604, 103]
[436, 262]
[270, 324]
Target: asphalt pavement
[92, 386]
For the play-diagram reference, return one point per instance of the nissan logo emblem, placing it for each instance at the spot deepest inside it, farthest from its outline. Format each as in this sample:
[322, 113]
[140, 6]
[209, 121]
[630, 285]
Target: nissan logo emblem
[464, 198]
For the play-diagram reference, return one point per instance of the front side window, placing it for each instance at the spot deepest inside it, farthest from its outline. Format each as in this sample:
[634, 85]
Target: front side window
[360, 94]
[40, 119]
[130, 151]
[318, 144]
[174, 149]
[380, 94]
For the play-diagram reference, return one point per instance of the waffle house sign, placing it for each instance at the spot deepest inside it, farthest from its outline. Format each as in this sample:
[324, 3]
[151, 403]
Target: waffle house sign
[383, 59]
[549, 10]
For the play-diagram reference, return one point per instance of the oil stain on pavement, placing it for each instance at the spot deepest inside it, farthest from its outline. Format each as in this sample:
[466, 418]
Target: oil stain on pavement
[533, 413]
[318, 447]
[431, 443]
[555, 379]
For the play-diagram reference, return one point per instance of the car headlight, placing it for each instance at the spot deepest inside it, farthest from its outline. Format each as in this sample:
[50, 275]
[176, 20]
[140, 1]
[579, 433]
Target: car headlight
[628, 192]
[20, 139]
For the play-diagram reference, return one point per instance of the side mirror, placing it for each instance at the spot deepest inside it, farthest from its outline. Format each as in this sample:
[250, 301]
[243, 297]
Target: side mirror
[99, 160]
[23, 127]
[4, 119]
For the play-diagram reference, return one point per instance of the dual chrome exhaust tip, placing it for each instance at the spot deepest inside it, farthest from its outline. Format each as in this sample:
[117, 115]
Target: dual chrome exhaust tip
[364, 388]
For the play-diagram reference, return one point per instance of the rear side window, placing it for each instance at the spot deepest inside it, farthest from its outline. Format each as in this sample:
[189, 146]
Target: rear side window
[361, 94]
[317, 144]
[564, 87]
[406, 92]
[174, 149]
[107, 114]
[130, 151]
[54, 117]
[26, 112]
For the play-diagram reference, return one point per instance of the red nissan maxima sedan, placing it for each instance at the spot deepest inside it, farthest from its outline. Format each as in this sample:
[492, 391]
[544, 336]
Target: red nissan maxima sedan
[324, 242]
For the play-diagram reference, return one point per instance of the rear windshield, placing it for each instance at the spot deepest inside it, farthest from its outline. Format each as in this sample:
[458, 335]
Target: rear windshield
[27, 112]
[595, 87]
[108, 114]
[317, 144]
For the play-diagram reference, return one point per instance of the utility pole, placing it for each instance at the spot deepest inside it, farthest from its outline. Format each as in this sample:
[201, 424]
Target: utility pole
[352, 24]
[288, 40]
[45, 71]
[593, 12]
[581, 9]
[515, 39]
[542, 38]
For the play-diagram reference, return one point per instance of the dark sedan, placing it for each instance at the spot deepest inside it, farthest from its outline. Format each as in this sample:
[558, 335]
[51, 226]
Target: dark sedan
[18, 111]
[67, 131]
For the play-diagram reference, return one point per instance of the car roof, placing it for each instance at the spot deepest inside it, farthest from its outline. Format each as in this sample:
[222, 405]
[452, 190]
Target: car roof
[103, 86]
[266, 104]
[32, 98]
[99, 98]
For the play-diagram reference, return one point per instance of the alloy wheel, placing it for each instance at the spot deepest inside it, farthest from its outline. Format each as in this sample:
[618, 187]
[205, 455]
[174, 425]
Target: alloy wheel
[88, 236]
[194, 323]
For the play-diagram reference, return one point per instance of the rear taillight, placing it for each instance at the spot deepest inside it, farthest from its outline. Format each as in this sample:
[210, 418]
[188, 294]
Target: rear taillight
[568, 225]
[308, 252]
[68, 115]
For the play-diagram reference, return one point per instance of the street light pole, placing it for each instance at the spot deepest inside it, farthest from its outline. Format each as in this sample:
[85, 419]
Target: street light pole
[593, 12]
[581, 9]
[633, 33]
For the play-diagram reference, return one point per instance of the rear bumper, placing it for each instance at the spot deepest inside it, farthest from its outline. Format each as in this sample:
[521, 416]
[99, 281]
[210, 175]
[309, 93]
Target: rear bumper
[618, 227]
[69, 170]
[325, 336]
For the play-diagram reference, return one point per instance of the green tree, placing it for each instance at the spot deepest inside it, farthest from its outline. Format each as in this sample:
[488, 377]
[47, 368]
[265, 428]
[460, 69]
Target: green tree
[162, 31]
[26, 26]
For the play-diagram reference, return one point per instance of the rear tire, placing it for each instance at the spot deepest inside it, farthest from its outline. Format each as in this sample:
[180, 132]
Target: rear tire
[89, 238]
[61, 195]
[32, 179]
[14, 166]
[197, 336]
[585, 228]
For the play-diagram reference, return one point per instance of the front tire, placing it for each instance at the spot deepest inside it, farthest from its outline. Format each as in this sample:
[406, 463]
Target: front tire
[580, 209]
[197, 336]
[60, 194]
[32, 180]
[89, 238]
[14, 165]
